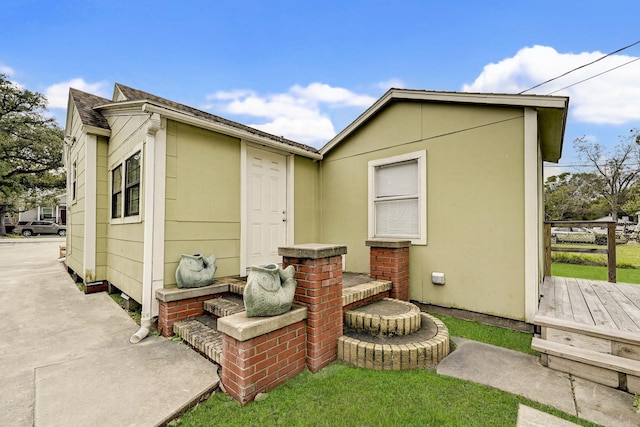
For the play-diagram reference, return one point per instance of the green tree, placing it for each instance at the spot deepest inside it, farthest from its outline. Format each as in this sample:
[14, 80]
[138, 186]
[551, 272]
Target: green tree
[616, 172]
[31, 168]
[571, 196]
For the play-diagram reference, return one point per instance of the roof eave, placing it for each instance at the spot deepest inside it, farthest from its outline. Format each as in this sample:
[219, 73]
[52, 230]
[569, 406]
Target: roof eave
[539, 102]
[227, 130]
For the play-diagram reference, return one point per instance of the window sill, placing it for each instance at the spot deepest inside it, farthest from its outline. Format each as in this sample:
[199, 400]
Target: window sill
[126, 220]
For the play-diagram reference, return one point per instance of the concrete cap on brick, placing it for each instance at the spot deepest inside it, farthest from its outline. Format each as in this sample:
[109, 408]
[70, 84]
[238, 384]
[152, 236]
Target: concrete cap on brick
[178, 294]
[388, 243]
[312, 250]
[243, 328]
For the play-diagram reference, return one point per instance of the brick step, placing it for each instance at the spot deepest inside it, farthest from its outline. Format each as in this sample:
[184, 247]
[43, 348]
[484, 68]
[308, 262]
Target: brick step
[202, 335]
[421, 353]
[387, 317]
[365, 292]
[605, 369]
[224, 306]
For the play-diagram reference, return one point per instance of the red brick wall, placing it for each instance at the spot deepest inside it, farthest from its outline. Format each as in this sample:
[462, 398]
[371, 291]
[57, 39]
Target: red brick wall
[392, 264]
[262, 363]
[174, 311]
[320, 290]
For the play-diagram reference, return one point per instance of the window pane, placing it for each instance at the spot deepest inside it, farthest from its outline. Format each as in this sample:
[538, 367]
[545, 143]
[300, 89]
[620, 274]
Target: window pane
[397, 218]
[133, 169]
[117, 180]
[116, 205]
[399, 179]
[133, 200]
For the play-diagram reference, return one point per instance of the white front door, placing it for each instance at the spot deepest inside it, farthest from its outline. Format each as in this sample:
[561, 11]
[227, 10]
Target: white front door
[266, 206]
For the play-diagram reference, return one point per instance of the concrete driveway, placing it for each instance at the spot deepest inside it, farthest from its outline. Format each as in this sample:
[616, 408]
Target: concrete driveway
[66, 357]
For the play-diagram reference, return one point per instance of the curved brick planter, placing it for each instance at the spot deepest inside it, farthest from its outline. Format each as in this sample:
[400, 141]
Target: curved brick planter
[421, 354]
[386, 317]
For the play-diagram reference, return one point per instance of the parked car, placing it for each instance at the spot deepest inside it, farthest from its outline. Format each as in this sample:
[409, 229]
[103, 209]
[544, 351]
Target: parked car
[29, 228]
[583, 235]
[573, 235]
[601, 236]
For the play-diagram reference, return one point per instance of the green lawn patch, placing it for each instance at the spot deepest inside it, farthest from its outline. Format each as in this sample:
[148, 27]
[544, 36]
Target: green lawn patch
[341, 395]
[507, 338]
[594, 273]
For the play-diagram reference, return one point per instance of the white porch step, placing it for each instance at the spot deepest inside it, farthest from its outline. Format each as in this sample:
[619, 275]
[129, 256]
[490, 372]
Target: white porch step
[605, 369]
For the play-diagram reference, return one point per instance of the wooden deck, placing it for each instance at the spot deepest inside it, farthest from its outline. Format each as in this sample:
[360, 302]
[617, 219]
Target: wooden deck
[614, 306]
[591, 329]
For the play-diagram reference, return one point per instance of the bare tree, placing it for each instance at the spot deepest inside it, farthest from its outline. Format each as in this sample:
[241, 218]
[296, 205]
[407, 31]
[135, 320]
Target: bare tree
[616, 172]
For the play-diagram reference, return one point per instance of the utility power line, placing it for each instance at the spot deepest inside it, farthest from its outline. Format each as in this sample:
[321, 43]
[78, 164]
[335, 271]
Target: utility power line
[580, 67]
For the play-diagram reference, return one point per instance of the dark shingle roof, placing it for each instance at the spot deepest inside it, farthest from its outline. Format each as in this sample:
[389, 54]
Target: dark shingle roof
[137, 95]
[85, 102]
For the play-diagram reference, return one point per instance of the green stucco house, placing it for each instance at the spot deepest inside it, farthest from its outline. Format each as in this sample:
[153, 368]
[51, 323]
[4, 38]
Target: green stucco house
[457, 174]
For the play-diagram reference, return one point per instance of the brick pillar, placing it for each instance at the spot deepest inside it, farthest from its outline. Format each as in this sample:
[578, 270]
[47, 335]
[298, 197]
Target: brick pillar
[319, 276]
[389, 260]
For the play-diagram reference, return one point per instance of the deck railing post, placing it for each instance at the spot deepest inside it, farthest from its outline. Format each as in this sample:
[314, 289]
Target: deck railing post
[611, 248]
[547, 249]
[610, 251]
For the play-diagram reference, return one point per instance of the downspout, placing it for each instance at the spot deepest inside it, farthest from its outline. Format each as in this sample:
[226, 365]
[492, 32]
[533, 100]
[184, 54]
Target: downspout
[149, 210]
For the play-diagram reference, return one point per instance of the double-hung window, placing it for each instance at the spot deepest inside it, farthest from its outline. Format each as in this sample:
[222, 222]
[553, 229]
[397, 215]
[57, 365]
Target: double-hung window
[132, 185]
[74, 180]
[397, 198]
[125, 187]
[116, 192]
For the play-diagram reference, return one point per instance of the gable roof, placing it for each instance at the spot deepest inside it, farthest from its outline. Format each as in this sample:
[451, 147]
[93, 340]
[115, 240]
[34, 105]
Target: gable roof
[552, 113]
[130, 94]
[85, 103]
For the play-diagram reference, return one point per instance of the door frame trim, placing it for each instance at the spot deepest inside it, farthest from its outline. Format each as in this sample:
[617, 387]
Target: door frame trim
[244, 214]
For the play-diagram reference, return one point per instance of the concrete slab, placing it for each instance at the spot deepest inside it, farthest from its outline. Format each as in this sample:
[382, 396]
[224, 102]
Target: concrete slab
[604, 405]
[144, 384]
[511, 371]
[529, 417]
[64, 349]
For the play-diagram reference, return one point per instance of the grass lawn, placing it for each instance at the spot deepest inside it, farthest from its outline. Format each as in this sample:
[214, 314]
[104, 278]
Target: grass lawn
[627, 256]
[341, 395]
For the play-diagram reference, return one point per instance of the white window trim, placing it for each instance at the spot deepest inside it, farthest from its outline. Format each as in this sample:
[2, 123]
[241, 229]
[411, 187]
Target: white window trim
[421, 157]
[122, 161]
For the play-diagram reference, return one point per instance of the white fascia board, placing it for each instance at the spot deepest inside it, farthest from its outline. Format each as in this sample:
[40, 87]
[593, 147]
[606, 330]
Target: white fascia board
[97, 131]
[227, 130]
[533, 101]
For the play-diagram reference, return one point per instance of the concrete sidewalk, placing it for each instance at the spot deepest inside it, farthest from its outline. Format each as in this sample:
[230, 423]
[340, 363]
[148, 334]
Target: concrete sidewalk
[66, 356]
[522, 374]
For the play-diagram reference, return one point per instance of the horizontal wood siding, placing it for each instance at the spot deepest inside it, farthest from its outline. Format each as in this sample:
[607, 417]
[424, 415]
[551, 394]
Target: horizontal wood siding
[475, 200]
[124, 242]
[75, 207]
[202, 198]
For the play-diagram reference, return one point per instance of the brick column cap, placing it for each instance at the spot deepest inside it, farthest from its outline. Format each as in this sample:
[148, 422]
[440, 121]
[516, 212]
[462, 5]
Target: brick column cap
[388, 243]
[244, 328]
[312, 250]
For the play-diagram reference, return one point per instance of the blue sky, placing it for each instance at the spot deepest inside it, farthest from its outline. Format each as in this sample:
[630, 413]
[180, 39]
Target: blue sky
[306, 69]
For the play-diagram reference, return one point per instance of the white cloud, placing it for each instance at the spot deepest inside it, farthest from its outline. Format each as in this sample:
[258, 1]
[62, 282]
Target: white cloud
[6, 70]
[612, 98]
[299, 114]
[58, 94]
[391, 83]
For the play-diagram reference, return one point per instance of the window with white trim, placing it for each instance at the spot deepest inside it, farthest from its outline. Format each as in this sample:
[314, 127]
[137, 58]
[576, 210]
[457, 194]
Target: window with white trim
[125, 187]
[116, 192]
[132, 185]
[74, 179]
[397, 198]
